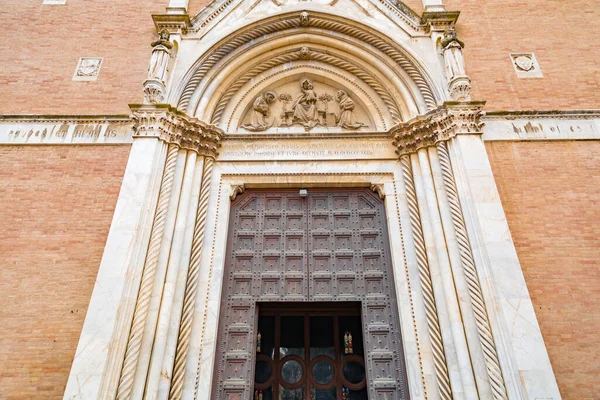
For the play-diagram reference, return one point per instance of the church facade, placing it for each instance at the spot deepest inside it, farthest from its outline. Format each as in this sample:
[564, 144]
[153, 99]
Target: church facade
[323, 199]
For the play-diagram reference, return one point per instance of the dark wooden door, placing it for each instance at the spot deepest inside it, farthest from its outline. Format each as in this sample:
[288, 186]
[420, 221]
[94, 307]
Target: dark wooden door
[330, 246]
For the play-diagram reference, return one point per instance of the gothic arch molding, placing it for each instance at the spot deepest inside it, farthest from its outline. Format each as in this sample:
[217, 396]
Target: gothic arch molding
[392, 84]
[321, 24]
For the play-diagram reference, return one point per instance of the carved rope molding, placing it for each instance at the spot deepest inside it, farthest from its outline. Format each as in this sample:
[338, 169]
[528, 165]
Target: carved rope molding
[484, 328]
[316, 56]
[176, 127]
[435, 129]
[433, 323]
[191, 285]
[291, 21]
[143, 300]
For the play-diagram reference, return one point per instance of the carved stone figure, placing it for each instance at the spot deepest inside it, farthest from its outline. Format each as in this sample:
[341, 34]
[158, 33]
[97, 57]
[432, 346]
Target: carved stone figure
[305, 53]
[453, 56]
[261, 111]
[459, 84]
[305, 106]
[304, 18]
[346, 119]
[159, 62]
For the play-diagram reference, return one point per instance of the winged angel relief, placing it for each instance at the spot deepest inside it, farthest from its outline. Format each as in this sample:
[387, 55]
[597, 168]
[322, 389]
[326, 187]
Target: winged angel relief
[308, 110]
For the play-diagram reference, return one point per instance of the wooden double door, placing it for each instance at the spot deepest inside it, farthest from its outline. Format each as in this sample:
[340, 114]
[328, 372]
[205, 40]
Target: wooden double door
[328, 247]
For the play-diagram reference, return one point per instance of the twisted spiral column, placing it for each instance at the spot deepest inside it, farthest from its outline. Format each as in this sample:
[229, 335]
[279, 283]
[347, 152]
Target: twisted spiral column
[143, 300]
[191, 287]
[433, 324]
[481, 318]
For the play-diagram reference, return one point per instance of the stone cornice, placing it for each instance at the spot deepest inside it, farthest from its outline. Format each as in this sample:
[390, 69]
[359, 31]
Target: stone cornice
[173, 126]
[439, 20]
[174, 23]
[443, 123]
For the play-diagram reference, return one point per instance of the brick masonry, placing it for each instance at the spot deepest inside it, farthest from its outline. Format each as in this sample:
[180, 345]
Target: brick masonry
[551, 195]
[44, 43]
[57, 206]
[556, 31]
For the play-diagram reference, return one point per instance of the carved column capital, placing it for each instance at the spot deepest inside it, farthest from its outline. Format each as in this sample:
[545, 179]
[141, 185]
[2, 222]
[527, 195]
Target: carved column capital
[441, 124]
[173, 126]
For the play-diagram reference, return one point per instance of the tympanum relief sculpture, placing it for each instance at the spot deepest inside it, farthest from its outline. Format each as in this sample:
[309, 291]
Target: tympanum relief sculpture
[261, 113]
[307, 109]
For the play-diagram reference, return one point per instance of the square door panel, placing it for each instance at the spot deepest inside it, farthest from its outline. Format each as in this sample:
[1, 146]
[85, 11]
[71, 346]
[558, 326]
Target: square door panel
[321, 264]
[244, 264]
[272, 243]
[294, 264]
[271, 264]
[272, 223]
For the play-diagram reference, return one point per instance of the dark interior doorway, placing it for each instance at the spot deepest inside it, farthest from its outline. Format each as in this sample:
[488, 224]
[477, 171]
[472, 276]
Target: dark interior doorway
[309, 351]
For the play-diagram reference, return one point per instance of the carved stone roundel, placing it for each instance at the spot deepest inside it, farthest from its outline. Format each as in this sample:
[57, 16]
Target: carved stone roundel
[524, 63]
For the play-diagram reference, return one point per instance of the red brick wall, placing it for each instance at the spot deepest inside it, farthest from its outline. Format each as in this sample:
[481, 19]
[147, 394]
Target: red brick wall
[195, 6]
[42, 45]
[57, 206]
[562, 34]
[551, 195]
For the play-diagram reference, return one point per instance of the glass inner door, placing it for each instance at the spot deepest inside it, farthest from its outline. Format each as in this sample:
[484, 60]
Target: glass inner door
[309, 352]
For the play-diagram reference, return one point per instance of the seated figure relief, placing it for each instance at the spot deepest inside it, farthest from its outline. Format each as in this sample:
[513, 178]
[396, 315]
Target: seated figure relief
[307, 109]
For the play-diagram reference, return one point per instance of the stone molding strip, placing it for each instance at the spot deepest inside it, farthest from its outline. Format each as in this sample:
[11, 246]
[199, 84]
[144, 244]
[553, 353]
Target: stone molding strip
[433, 323]
[542, 125]
[294, 20]
[466, 254]
[65, 129]
[134, 343]
[172, 126]
[191, 285]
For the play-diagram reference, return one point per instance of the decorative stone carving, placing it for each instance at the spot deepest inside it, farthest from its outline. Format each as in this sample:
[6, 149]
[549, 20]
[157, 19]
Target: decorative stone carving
[346, 119]
[87, 69]
[447, 121]
[305, 106]
[309, 109]
[305, 53]
[261, 112]
[235, 190]
[525, 65]
[176, 127]
[459, 84]
[304, 19]
[154, 86]
[378, 188]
